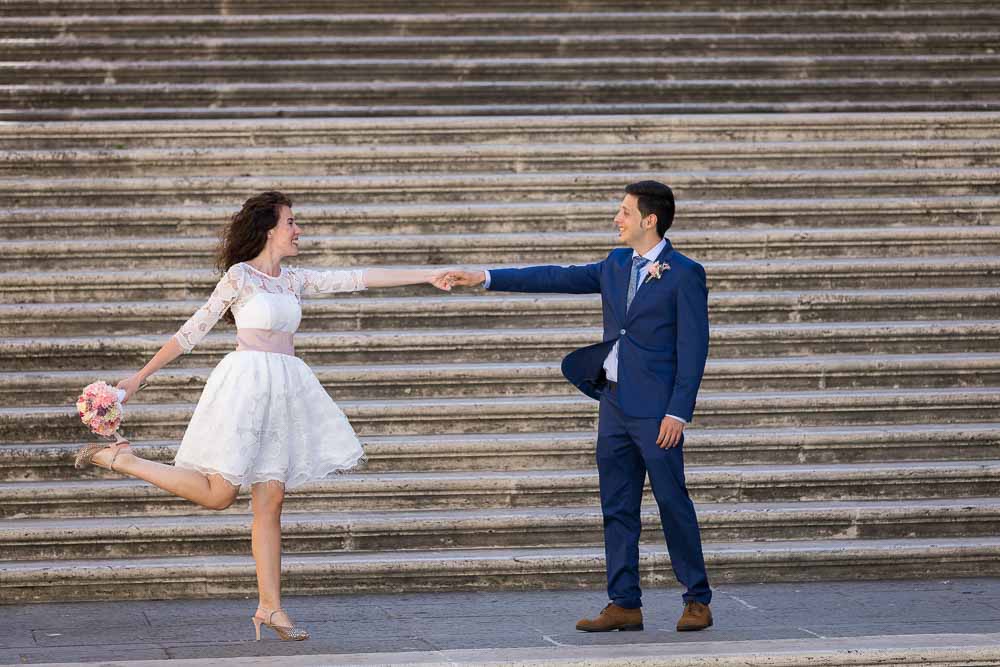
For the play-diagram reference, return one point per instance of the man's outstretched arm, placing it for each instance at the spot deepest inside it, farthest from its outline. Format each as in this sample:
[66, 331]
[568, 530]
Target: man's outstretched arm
[584, 279]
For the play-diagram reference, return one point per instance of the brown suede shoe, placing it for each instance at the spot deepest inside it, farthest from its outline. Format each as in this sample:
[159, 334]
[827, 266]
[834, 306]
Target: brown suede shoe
[611, 618]
[696, 616]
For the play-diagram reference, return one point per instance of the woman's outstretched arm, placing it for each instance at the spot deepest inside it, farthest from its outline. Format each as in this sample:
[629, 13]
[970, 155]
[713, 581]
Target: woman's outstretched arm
[170, 351]
[398, 277]
[353, 280]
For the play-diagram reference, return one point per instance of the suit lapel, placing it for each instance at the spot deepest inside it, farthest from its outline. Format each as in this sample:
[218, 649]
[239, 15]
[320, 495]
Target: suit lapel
[620, 285]
[643, 290]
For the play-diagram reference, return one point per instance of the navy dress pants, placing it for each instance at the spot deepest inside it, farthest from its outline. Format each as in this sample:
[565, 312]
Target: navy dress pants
[626, 451]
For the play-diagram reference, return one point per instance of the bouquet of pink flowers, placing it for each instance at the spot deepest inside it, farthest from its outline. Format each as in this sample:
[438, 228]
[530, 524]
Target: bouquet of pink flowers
[101, 409]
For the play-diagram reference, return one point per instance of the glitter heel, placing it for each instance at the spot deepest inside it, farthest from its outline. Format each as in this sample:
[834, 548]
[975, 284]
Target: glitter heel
[285, 632]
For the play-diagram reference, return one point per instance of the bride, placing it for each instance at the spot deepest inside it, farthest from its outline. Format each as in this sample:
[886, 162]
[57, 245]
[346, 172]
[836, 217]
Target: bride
[263, 420]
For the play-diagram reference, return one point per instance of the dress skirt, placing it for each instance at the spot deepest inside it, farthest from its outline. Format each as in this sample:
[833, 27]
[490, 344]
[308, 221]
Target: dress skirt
[264, 417]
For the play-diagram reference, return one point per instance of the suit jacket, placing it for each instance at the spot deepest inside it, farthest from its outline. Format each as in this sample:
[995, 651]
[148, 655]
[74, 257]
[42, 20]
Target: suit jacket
[662, 338]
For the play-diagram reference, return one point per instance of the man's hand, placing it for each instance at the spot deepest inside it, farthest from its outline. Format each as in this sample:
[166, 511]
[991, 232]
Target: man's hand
[670, 433]
[466, 278]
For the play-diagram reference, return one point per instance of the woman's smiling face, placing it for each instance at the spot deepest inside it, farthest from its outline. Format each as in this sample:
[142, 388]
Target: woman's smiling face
[284, 238]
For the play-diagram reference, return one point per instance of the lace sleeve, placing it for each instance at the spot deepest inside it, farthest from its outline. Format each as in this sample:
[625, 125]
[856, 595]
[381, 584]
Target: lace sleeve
[223, 297]
[324, 282]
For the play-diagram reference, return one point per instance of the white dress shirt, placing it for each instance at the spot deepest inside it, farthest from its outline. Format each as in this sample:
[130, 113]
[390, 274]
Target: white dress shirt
[611, 362]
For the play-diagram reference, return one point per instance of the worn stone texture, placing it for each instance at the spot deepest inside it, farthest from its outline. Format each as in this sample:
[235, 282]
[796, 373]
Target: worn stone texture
[841, 191]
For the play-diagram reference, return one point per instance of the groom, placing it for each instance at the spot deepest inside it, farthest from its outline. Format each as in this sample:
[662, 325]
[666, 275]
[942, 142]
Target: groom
[646, 375]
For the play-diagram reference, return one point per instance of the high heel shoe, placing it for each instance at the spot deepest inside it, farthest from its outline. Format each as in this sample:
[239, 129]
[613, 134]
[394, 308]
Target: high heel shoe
[286, 632]
[87, 452]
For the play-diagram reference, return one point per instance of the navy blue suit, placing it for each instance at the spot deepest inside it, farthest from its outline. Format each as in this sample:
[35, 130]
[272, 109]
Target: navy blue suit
[662, 348]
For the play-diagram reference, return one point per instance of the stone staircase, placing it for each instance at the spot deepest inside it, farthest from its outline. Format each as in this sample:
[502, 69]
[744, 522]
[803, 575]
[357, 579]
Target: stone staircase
[848, 423]
[127, 59]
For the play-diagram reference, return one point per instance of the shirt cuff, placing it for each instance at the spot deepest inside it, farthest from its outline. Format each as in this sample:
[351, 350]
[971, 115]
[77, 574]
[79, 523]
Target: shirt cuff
[486, 283]
[683, 421]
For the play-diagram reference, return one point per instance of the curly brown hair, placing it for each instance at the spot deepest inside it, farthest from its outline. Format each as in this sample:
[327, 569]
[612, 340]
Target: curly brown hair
[246, 234]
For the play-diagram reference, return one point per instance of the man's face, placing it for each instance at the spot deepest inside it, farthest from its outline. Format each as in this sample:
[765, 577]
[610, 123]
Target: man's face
[629, 222]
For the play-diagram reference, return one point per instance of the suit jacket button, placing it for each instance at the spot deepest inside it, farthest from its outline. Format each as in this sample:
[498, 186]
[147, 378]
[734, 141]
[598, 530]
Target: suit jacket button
[622, 332]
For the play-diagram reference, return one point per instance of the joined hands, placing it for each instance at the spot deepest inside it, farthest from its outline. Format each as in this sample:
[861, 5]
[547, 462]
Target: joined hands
[458, 278]
[441, 281]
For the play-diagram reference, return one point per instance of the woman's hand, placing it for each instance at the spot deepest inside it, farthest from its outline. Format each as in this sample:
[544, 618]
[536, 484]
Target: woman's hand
[130, 385]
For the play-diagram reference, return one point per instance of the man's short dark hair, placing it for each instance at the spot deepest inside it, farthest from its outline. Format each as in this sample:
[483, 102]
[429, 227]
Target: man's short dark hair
[656, 198]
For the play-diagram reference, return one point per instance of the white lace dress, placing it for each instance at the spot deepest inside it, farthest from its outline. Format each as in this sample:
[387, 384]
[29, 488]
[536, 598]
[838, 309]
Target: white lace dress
[263, 415]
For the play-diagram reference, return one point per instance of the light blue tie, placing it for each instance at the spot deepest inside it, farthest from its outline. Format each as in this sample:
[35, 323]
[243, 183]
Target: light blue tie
[638, 262]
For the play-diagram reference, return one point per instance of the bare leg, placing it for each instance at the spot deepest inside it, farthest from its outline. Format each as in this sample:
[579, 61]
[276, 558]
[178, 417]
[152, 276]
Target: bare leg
[267, 500]
[210, 491]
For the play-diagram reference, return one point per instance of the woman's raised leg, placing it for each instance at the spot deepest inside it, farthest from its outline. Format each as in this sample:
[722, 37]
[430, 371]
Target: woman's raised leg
[210, 491]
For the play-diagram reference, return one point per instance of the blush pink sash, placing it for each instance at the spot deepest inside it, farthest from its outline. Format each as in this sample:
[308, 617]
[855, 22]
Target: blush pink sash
[264, 340]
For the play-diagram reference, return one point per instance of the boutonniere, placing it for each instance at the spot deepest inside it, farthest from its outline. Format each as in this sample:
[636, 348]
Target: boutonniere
[656, 270]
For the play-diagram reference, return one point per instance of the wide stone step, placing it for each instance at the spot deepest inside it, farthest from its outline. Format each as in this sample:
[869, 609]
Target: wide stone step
[542, 248]
[528, 130]
[483, 490]
[573, 567]
[525, 414]
[553, 450]
[387, 220]
[108, 101]
[471, 20]
[110, 285]
[485, 569]
[312, 532]
[917, 43]
[507, 46]
[616, 61]
[258, 7]
[512, 310]
[389, 381]
[511, 345]
[333, 159]
[435, 188]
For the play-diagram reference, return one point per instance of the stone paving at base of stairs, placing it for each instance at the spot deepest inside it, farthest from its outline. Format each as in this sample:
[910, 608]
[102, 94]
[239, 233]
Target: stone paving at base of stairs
[481, 627]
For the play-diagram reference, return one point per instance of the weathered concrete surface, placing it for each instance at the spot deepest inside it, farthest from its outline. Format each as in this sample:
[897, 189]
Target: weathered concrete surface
[932, 622]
